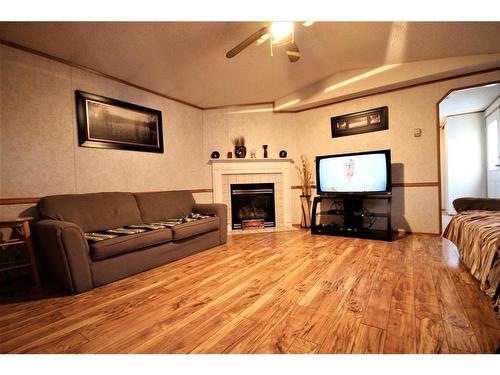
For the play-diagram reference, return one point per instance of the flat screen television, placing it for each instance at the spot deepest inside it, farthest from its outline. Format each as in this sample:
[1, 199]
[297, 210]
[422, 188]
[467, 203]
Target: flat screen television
[360, 173]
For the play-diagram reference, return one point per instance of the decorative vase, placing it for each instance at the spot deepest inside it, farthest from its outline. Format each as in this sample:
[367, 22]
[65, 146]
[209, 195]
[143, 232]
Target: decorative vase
[240, 151]
[305, 202]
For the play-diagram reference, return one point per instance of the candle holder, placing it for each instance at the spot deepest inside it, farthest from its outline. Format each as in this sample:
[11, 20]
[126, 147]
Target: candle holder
[265, 151]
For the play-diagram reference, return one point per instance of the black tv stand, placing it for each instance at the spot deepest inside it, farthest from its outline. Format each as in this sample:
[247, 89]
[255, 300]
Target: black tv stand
[351, 218]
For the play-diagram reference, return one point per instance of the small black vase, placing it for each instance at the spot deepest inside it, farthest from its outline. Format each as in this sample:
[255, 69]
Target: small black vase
[240, 151]
[215, 155]
[283, 154]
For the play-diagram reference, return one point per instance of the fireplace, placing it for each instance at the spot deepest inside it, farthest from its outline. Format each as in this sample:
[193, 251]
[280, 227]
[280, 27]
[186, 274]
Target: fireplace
[252, 203]
[226, 172]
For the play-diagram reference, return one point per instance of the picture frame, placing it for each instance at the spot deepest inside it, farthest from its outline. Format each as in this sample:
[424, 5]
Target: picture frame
[360, 122]
[113, 124]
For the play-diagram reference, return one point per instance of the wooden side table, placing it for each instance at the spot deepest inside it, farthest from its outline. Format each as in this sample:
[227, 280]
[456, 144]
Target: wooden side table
[21, 226]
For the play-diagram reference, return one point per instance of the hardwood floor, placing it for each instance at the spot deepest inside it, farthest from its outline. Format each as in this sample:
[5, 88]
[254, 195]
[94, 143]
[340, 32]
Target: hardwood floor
[283, 292]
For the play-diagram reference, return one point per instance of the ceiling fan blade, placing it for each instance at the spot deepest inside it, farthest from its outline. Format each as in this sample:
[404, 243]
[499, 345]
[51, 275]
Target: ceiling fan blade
[252, 38]
[293, 52]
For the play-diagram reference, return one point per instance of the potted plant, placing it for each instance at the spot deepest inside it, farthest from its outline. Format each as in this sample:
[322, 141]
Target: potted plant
[305, 174]
[240, 150]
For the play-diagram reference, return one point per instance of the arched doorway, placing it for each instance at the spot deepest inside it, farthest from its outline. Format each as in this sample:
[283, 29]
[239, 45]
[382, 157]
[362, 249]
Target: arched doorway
[469, 145]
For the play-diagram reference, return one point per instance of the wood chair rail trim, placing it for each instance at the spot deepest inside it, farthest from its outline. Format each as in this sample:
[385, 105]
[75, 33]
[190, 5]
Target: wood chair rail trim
[34, 200]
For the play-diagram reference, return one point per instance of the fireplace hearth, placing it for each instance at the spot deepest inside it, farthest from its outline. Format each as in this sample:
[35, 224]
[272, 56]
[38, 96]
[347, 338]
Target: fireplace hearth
[252, 202]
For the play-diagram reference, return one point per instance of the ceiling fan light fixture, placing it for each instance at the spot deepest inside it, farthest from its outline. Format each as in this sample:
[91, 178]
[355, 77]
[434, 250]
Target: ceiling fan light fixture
[263, 38]
[280, 30]
[293, 53]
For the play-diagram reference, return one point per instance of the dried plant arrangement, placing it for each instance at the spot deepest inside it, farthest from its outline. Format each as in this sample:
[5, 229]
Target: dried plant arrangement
[305, 174]
[240, 150]
[239, 141]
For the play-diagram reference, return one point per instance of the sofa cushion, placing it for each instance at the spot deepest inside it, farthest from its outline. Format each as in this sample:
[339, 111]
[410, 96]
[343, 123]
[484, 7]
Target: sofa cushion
[92, 212]
[163, 205]
[125, 244]
[193, 228]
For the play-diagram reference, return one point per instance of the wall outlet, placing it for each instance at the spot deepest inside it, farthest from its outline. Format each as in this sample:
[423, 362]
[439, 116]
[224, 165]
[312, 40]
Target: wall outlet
[417, 132]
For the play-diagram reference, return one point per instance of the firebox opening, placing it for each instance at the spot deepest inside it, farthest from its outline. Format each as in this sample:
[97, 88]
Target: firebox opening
[252, 202]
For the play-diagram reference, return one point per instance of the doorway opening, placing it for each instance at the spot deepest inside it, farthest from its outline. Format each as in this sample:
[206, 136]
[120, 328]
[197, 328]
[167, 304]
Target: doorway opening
[469, 138]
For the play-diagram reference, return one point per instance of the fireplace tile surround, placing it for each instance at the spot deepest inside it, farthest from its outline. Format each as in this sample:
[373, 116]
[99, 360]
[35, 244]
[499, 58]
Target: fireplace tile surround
[246, 171]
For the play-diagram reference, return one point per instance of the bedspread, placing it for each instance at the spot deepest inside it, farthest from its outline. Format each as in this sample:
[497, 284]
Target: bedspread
[477, 237]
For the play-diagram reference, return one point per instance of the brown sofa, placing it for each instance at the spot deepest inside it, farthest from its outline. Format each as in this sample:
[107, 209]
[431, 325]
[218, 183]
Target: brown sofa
[79, 266]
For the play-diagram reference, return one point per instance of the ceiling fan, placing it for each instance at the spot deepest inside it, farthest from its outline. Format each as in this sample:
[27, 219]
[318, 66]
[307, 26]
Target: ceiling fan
[279, 33]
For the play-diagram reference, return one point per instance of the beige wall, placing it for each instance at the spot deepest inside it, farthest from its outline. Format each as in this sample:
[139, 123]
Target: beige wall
[443, 144]
[308, 132]
[39, 146]
[260, 126]
[465, 157]
[414, 208]
[40, 153]
[415, 157]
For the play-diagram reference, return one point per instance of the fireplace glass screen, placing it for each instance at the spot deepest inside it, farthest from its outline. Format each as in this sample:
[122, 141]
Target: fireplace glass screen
[252, 202]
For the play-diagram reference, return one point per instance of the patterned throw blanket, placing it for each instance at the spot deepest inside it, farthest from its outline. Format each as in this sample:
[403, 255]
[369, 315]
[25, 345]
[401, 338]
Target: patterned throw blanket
[139, 228]
[477, 237]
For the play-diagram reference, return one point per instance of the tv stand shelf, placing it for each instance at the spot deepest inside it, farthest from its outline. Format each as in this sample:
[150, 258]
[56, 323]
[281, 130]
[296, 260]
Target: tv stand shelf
[354, 213]
[350, 218]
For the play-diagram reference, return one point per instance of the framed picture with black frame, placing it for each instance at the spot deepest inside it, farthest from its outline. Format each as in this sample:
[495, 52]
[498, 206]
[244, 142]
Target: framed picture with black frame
[109, 123]
[360, 122]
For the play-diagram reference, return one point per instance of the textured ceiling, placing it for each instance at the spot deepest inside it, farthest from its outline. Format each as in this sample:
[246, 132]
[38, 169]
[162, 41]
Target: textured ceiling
[475, 99]
[186, 60]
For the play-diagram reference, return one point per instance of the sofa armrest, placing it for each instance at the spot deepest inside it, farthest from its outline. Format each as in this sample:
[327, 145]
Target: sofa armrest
[488, 204]
[65, 252]
[217, 209]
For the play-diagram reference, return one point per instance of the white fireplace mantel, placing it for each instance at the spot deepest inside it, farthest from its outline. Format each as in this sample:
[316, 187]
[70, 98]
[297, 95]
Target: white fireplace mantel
[281, 167]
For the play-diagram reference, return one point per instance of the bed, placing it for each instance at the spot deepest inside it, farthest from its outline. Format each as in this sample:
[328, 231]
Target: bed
[475, 230]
